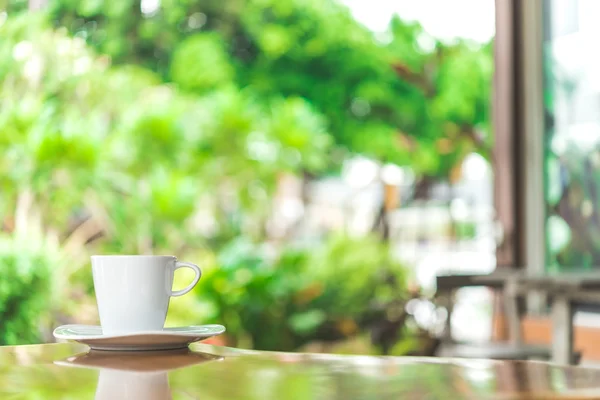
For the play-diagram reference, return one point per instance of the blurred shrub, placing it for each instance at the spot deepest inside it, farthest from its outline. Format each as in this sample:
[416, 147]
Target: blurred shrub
[25, 290]
[253, 295]
[280, 302]
[201, 63]
[351, 275]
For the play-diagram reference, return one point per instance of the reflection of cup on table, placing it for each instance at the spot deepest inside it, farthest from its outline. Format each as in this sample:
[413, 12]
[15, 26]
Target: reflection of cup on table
[139, 375]
[133, 292]
[116, 385]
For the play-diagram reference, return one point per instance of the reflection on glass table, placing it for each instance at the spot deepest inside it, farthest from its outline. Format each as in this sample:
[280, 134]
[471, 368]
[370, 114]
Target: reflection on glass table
[137, 375]
[211, 372]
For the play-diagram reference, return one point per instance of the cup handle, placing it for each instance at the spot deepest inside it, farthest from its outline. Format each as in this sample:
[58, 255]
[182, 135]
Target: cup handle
[181, 264]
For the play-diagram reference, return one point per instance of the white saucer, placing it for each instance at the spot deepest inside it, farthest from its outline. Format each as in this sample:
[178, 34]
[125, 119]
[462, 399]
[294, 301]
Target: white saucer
[166, 339]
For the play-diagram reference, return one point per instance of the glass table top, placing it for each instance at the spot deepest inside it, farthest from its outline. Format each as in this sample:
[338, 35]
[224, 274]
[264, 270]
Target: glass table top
[69, 371]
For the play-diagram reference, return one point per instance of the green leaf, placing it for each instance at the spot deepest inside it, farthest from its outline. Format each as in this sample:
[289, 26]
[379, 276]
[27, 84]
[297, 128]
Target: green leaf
[308, 321]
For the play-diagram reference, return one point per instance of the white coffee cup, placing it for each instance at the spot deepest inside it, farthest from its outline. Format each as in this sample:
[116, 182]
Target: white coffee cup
[133, 292]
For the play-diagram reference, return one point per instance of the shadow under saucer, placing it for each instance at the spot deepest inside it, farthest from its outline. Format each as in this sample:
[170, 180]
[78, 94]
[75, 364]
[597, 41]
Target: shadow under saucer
[146, 361]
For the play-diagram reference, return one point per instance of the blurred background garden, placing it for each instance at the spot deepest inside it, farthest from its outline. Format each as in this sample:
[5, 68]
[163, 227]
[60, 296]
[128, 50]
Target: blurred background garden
[320, 169]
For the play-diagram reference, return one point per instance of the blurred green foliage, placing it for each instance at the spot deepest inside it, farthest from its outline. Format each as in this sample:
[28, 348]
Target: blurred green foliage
[168, 130]
[376, 92]
[93, 151]
[300, 295]
[26, 288]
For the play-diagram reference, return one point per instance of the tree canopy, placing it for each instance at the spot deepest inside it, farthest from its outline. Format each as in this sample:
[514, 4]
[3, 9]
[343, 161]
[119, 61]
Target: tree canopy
[401, 97]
